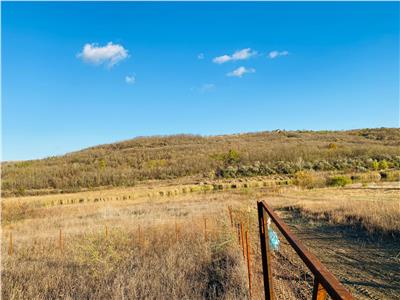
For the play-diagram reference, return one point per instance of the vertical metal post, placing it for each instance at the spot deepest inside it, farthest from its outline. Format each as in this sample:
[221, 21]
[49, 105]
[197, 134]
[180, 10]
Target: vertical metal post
[265, 253]
[238, 233]
[319, 292]
[242, 235]
[248, 260]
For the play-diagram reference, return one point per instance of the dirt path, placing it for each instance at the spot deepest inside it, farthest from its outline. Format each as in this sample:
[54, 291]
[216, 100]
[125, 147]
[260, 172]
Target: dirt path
[370, 268]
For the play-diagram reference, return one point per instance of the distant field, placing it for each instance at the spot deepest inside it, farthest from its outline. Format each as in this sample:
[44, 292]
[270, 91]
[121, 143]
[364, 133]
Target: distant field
[17, 208]
[154, 245]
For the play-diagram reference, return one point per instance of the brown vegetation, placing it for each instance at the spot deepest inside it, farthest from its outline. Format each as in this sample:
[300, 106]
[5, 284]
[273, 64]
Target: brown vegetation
[155, 246]
[376, 210]
[125, 250]
[229, 156]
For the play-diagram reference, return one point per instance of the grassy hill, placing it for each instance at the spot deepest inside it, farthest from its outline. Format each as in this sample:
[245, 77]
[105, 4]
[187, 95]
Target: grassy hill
[168, 157]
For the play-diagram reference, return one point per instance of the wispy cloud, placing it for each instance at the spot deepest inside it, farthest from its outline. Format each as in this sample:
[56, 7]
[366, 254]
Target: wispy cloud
[207, 87]
[200, 56]
[239, 72]
[204, 88]
[110, 54]
[222, 59]
[275, 54]
[238, 55]
[130, 79]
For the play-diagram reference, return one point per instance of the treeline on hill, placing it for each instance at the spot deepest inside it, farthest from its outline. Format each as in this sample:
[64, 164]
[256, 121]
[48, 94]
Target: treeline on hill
[168, 157]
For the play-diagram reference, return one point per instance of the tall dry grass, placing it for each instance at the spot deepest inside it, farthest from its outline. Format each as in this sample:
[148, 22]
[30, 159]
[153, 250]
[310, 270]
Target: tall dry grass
[155, 264]
[105, 257]
[93, 266]
[374, 209]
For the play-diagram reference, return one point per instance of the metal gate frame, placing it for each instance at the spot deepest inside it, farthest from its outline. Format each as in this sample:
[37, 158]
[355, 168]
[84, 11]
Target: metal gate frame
[324, 281]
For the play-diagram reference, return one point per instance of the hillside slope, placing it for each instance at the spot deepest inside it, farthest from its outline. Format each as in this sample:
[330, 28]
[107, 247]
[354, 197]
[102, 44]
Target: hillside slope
[167, 157]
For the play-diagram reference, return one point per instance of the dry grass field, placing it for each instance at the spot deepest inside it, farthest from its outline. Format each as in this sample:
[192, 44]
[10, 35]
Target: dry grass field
[183, 246]
[130, 249]
[354, 231]
[375, 209]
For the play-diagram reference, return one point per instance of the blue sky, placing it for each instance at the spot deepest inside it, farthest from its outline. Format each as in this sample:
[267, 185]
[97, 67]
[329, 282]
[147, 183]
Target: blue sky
[80, 74]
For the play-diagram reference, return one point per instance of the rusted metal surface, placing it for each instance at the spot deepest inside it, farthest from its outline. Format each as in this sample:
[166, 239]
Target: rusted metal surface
[319, 292]
[238, 233]
[242, 235]
[322, 276]
[265, 253]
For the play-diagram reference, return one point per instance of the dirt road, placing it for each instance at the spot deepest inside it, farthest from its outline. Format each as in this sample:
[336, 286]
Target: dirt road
[369, 267]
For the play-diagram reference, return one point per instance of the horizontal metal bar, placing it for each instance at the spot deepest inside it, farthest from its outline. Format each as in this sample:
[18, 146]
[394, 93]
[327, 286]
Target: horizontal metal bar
[334, 288]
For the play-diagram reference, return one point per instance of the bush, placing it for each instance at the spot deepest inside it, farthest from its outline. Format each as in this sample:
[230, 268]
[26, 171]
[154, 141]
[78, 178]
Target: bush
[367, 177]
[232, 157]
[383, 165]
[393, 175]
[286, 167]
[308, 179]
[339, 180]
[332, 146]
[375, 165]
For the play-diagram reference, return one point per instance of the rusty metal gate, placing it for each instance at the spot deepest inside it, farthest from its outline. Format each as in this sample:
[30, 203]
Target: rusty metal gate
[293, 271]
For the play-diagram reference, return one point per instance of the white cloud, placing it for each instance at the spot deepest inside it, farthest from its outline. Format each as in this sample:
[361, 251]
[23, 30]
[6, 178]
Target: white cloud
[239, 72]
[130, 79]
[109, 54]
[222, 59]
[275, 54]
[238, 55]
[200, 56]
[243, 54]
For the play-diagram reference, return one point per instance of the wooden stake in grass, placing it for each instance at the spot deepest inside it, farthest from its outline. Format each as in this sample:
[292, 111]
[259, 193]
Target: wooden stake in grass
[106, 230]
[248, 260]
[60, 241]
[11, 246]
[238, 233]
[205, 229]
[242, 235]
[139, 239]
[230, 215]
[176, 231]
